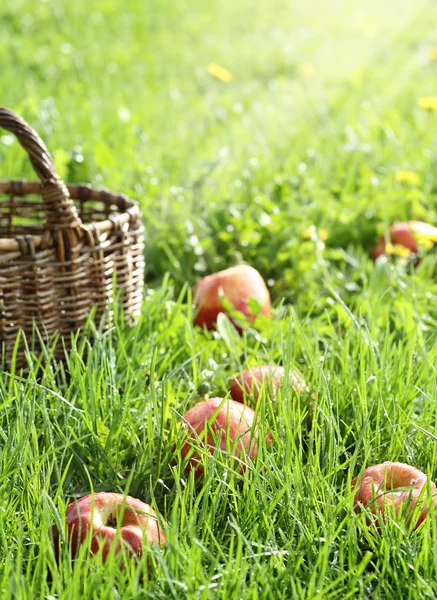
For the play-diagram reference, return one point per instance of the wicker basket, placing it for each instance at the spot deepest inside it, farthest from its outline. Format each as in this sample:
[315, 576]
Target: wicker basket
[64, 249]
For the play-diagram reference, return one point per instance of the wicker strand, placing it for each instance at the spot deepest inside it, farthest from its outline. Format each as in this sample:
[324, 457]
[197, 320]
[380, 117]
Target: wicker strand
[60, 210]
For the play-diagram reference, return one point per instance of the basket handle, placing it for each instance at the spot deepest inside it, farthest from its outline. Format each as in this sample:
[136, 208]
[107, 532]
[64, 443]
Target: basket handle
[60, 210]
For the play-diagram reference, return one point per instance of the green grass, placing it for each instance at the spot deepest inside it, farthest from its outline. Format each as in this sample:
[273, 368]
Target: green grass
[320, 115]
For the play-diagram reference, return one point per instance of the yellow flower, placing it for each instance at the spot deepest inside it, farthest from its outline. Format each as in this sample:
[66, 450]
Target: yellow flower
[306, 70]
[407, 177]
[426, 242]
[219, 72]
[425, 233]
[323, 234]
[432, 53]
[428, 102]
[397, 250]
[308, 234]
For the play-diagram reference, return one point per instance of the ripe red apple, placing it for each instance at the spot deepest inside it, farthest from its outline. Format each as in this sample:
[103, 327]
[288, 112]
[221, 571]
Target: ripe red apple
[105, 514]
[399, 234]
[249, 382]
[233, 430]
[410, 235]
[238, 284]
[393, 488]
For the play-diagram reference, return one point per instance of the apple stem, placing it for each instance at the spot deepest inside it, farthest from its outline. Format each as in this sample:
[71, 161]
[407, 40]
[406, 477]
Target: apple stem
[111, 521]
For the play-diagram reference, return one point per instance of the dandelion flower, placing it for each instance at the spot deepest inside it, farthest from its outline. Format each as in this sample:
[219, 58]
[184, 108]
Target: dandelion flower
[306, 70]
[425, 242]
[323, 234]
[425, 233]
[312, 232]
[407, 177]
[428, 103]
[397, 250]
[219, 72]
[432, 53]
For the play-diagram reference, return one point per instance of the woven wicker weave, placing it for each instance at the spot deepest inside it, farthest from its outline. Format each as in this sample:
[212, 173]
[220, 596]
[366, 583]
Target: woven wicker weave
[64, 249]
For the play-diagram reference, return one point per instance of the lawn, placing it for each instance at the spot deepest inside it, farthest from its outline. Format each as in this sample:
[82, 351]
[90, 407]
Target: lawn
[291, 166]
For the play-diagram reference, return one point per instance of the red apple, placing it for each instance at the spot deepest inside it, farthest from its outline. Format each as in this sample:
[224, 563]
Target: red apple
[113, 519]
[238, 284]
[234, 432]
[249, 382]
[400, 235]
[393, 488]
[410, 235]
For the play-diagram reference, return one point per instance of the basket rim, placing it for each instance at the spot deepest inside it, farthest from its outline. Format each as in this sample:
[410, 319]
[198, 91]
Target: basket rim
[128, 207]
